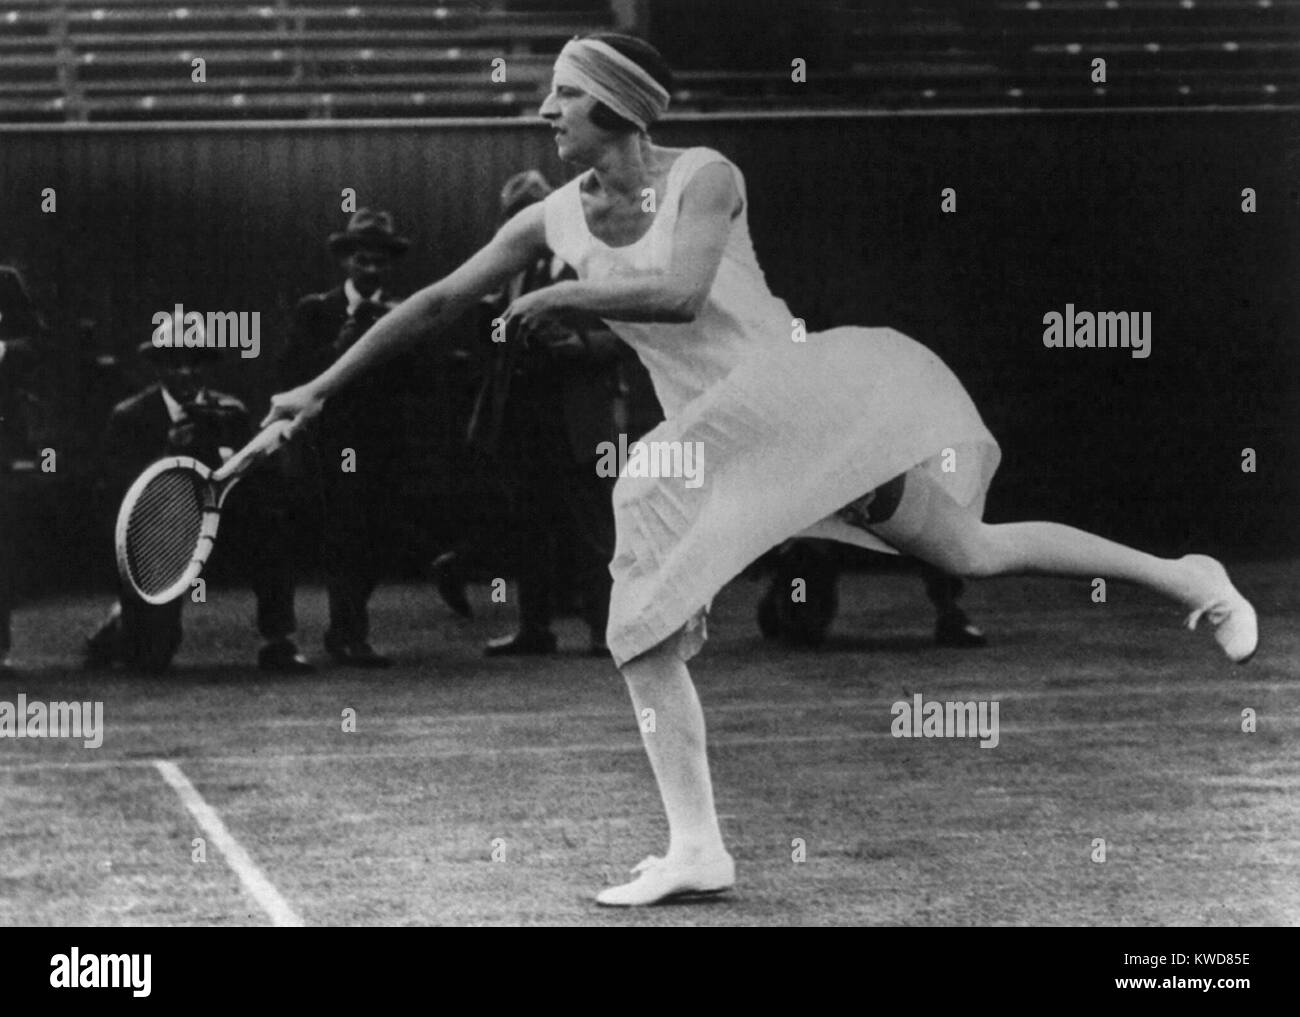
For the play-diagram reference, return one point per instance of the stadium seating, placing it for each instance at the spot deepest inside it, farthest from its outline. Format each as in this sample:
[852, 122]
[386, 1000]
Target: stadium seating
[133, 59]
[1021, 54]
[86, 60]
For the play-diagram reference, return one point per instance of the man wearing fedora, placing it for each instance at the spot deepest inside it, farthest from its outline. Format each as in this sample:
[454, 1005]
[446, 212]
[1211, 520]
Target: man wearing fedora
[356, 444]
[181, 415]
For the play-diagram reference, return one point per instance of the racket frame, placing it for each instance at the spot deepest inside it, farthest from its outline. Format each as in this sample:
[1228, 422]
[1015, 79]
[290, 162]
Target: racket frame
[212, 498]
[213, 493]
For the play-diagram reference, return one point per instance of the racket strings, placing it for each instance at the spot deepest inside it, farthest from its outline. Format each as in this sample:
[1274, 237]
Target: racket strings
[163, 530]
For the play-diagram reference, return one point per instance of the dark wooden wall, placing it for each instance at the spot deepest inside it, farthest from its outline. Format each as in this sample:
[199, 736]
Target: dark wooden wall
[1132, 211]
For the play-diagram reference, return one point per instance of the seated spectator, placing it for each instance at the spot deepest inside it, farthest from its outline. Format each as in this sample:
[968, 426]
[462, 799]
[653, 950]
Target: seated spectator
[181, 415]
[804, 622]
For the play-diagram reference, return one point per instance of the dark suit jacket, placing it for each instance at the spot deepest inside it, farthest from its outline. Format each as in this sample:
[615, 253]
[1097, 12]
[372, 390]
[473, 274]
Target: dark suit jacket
[367, 414]
[139, 428]
[587, 388]
[16, 367]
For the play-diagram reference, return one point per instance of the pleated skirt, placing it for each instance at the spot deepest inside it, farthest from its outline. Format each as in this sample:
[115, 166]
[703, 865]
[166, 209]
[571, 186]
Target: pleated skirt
[776, 448]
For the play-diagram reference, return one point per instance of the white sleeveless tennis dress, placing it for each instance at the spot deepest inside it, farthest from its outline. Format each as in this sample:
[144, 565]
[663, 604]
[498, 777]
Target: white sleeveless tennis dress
[790, 431]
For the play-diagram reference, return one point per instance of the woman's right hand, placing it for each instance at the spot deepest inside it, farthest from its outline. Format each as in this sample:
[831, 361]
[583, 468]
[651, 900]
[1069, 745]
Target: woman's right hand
[299, 406]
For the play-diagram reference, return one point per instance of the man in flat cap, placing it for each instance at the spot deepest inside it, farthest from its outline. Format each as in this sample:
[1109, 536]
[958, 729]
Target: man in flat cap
[181, 415]
[356, 446]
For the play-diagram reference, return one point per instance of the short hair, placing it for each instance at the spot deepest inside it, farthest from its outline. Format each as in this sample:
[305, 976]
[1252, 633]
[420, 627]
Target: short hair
[644, 56]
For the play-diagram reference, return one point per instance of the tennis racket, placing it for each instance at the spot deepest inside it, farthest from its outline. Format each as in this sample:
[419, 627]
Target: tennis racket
[167, 524]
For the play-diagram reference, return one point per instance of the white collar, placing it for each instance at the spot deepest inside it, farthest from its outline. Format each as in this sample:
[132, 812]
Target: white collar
[174, 409]
[355, 299]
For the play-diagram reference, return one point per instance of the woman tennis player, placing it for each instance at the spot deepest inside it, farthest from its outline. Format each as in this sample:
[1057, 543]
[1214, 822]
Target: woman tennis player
[860, 435]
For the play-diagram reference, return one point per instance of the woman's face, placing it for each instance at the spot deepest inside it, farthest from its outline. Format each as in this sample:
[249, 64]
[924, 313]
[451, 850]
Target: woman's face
[577, 139]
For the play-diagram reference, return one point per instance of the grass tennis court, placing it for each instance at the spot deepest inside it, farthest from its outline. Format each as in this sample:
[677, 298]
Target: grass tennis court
[1115, 724]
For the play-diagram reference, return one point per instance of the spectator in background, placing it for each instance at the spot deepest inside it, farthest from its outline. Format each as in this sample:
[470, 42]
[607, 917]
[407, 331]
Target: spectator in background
[549, 397]
[817, 563]
[357, 447]
[181, 415]
[21, 333]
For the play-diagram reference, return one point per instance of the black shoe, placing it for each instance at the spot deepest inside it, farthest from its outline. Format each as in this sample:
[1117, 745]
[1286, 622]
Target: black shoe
[99, 652]
[521, 644]
[957, 630]
[449, 581]
[96, 660]
[357, 655]
[282, 655]
[149, 663]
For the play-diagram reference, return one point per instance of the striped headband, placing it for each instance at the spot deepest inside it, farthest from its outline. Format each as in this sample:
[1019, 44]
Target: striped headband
[608, 76]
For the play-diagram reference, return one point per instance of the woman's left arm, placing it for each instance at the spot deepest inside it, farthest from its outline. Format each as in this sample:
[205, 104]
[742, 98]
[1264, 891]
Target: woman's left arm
[673, 294]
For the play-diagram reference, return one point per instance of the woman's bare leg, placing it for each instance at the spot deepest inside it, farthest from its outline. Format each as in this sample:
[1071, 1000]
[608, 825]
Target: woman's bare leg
[674, 739]
[930, 525]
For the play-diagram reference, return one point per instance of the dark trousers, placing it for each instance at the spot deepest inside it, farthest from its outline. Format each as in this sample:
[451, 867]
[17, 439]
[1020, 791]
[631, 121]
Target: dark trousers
[358, 509]
[820, 570]
[942, 589]
[7, 567]
[562, 502]
[252, 534]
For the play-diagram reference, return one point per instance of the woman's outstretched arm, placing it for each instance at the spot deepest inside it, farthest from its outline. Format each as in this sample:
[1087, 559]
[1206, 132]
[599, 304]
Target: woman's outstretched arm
[422, 315]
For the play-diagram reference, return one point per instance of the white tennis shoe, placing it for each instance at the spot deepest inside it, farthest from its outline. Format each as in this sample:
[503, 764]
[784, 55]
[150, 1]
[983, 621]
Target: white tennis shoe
[1236, 627]
[661, 879]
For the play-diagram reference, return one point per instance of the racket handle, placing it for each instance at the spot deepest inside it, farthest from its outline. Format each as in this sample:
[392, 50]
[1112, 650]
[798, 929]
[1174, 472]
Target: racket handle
[268, 441]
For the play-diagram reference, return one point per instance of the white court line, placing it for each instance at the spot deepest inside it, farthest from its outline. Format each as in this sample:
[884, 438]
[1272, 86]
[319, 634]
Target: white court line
[807, 704]
[255, 882]
[632, 744]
